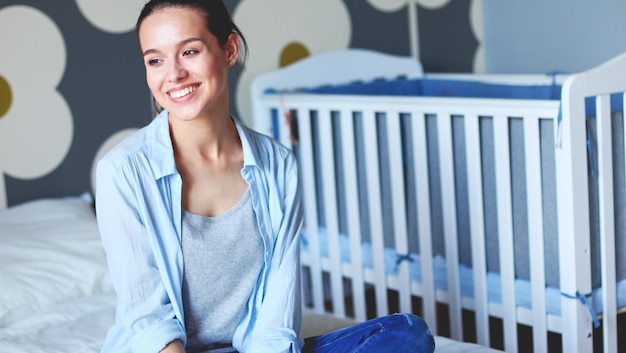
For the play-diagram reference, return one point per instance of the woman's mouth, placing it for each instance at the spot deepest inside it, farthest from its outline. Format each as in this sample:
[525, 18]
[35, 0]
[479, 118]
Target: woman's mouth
[183, 92]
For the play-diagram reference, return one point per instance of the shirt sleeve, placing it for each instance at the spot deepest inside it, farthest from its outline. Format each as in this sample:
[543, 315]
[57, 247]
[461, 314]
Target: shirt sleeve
[144, 312]
[279, 316]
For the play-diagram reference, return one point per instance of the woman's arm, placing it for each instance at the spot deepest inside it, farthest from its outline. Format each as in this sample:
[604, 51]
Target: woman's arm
[144, 312]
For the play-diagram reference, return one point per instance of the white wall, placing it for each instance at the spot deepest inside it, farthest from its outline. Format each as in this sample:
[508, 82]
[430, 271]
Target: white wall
[538, 36]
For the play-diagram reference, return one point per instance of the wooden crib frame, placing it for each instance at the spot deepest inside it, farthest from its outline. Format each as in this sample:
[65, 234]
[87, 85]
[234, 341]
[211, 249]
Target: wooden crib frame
[599, 82]
[568, 117]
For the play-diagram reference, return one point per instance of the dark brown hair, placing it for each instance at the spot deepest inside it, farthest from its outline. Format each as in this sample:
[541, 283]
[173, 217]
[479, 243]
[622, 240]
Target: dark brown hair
[216, 16]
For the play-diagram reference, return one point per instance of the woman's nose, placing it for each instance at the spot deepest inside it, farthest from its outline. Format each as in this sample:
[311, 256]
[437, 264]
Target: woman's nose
[177, 72]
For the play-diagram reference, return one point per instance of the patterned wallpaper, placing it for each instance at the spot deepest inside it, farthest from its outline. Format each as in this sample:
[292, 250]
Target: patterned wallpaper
[72, 79]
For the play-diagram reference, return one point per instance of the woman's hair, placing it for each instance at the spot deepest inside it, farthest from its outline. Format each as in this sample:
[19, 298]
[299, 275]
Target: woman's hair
[216, 16]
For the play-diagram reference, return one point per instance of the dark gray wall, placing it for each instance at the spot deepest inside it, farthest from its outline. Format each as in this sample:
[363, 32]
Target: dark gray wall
[104, 85]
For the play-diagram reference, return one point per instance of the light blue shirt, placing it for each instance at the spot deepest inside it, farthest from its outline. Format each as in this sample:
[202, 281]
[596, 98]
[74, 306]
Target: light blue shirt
[139, 210]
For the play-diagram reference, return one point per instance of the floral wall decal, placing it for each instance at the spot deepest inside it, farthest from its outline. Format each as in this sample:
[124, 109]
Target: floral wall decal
[395, 5]
[37, 126]
[115, 16]
[6, 96]
[476, 21]
[296, 28]
[62, 110]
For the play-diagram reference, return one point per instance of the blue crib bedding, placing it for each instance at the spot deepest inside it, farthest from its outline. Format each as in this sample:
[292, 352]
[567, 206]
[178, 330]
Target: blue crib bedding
[466, 277]
[430, 87]
[435, 87]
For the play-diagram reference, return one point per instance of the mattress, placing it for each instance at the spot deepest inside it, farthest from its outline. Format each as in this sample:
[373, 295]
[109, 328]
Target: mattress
[80, 326]
[57, 296]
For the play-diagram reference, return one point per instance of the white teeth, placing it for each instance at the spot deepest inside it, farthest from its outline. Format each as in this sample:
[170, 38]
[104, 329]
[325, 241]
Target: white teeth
[182, 92]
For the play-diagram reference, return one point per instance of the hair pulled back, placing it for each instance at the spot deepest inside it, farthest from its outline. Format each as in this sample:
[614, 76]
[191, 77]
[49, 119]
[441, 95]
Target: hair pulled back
[216, 16]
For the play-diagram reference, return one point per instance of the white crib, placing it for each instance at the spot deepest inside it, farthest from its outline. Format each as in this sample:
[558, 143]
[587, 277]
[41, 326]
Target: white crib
[346, 141]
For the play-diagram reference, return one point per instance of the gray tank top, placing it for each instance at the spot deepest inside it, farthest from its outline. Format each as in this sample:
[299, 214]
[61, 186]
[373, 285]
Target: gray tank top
[222, 257]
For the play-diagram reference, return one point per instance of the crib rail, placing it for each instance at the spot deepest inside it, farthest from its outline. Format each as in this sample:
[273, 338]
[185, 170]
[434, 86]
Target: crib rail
[322, 118]
[408, 198]
[599, 83]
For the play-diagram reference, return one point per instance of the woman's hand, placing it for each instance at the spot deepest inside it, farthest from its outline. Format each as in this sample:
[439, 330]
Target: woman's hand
[175, 346]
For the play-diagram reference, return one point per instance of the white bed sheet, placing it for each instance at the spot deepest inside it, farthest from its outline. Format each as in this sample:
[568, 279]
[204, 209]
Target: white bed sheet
[446, 345]
[76, 326]
[56, 294]
[80, 326]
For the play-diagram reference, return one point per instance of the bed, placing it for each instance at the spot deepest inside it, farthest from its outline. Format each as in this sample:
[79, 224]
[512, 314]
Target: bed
[57, 296]
[491, 205]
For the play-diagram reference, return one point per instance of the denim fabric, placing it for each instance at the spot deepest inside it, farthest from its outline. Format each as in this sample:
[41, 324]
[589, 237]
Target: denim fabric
[397, 333]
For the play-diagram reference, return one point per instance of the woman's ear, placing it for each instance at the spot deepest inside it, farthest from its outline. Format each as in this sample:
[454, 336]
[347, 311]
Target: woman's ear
[232, 49]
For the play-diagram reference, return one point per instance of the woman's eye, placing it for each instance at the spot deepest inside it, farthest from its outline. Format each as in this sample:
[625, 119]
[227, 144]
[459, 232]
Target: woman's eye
[189, 52]
[154, 61]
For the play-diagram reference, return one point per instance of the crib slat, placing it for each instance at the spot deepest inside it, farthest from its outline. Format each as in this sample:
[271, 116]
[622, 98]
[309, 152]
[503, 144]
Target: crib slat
[573, 217]
[422, 187]
[398, 193]
[505, 230]
[284, 132]
[444, 132]
[281, 130]
[354, 226]
[477, 228]
[327, 151]
[535, 232]
[310, 208]
[607, 223]
[375, 210]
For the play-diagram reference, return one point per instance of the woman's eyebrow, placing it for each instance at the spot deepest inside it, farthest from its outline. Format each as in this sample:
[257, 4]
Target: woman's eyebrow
[182, 42]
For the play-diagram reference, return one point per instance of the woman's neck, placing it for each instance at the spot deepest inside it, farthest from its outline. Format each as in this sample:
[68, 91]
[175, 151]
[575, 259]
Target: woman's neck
[207, 138]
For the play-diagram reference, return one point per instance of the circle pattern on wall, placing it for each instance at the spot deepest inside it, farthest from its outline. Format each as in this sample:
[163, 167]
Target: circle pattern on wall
[317, 26]
[292, 53]
[5, 96]
[395, 5]
[39, 126]
[476, 20]
[115, 16]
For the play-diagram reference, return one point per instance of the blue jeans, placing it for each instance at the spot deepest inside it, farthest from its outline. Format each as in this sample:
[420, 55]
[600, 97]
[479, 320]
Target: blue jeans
[397, 333]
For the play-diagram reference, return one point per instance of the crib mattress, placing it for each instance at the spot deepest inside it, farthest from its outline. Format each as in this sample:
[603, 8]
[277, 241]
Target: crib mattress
[466, 277]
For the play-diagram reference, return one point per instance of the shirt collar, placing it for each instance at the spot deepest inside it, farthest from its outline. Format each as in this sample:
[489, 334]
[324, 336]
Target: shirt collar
[250, 155]
[161, 150]
[159, 146]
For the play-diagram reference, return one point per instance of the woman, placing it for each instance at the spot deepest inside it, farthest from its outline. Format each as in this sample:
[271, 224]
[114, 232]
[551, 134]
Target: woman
[200, 216]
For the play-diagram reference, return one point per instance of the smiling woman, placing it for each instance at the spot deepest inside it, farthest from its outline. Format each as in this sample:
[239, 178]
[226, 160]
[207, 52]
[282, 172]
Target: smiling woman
[200, 216]
[208, 193]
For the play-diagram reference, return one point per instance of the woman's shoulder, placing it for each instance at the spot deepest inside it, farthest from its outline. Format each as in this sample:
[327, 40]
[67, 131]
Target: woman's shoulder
[266, 144]
[137, 143]
[128, 144]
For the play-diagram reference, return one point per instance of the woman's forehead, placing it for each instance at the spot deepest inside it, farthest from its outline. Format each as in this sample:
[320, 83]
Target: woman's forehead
[171, 25]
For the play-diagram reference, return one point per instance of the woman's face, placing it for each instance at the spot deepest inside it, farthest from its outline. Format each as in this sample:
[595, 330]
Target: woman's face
[186, 67]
